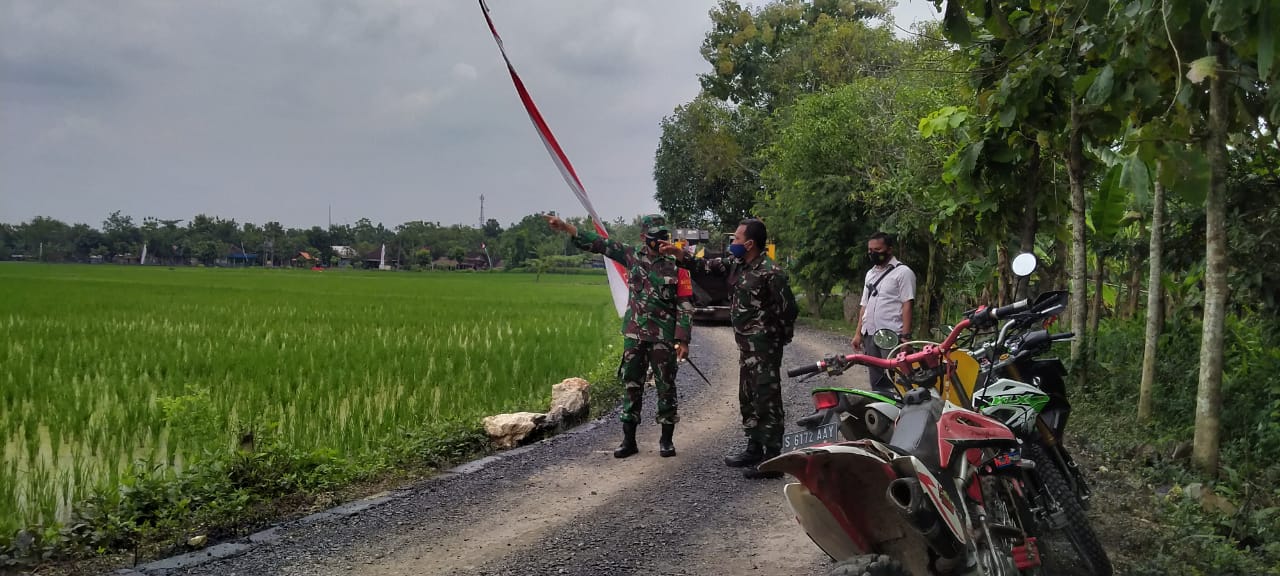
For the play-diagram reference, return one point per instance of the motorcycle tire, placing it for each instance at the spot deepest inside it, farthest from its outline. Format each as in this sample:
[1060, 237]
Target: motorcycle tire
[869, 565]
[1078, 530]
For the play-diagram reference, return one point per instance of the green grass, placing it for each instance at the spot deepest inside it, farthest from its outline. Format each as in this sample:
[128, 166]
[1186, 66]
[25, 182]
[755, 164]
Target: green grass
[104, 366]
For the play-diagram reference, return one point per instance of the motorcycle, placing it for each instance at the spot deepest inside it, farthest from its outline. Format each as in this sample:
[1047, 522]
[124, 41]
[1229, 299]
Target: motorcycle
[943, 495]
[990, 379]
[1028, 394]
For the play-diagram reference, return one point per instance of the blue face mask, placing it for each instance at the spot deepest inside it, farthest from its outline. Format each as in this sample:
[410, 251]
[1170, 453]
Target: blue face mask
[738, 250]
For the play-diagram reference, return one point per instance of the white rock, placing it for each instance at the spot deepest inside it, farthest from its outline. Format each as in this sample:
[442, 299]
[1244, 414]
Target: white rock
[507, 430]
[572, 397]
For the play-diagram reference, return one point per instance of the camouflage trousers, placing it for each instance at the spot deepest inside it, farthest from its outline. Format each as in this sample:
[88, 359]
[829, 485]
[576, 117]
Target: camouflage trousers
[760, 396]
[637, 357]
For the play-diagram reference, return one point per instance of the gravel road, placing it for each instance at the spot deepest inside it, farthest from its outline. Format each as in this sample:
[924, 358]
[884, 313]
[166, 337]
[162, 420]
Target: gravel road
[566, 506]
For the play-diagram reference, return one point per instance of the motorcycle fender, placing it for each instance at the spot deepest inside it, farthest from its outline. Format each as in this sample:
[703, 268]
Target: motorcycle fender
[890, 411]
[817, 521]
[839, 500]
[796, 462]
[941, 500]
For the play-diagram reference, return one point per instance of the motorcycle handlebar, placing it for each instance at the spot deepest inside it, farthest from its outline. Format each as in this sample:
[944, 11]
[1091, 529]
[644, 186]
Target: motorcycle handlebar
[995, 314]
[902, 360]
[1034, 339]
[806, 369]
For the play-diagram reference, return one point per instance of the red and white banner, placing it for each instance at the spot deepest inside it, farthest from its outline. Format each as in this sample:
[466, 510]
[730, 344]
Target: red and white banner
[617, 274]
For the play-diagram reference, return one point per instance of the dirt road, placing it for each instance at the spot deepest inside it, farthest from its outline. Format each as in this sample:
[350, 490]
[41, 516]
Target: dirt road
[566, 506]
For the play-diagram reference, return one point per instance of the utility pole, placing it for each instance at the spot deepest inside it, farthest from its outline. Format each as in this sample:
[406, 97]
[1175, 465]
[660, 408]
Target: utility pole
[482, 211]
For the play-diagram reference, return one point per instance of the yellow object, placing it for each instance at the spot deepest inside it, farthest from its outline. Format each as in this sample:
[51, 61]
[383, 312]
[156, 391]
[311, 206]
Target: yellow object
[967, 369]
[773, 250]
[702, 252]
[957, 390]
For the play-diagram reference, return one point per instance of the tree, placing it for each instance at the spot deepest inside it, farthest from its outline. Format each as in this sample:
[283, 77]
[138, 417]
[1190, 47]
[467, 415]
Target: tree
[1209, 394]
[492, 229]
[708, 162]
[207, 251]
[120, 235]
[1154, 303]
[702, 169]
[763, 59]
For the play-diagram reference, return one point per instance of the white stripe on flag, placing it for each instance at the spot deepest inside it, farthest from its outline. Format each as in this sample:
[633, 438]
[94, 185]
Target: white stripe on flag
[616, 273]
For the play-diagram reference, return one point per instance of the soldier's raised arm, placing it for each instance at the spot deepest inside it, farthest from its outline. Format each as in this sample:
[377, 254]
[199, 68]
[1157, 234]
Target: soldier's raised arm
[705, 266]
[589, 241]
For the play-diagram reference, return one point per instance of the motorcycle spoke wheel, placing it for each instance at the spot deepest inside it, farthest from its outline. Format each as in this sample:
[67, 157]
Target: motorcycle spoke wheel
[1058, 496]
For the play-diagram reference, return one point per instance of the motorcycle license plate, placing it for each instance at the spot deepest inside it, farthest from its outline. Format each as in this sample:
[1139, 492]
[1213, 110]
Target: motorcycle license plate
[825, 434]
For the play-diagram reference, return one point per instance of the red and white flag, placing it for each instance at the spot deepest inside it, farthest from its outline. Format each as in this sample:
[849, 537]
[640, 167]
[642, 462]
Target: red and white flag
[617, 274]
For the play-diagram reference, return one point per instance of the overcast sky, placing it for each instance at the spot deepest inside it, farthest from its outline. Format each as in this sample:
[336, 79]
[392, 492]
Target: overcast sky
[394, 110]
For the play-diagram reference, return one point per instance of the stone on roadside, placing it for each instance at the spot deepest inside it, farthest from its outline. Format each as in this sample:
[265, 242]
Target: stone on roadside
[508, 430]
[570, 402]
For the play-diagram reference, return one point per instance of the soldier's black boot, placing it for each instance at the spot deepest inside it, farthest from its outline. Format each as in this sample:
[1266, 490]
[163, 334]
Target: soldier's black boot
[665, 448]
[749, 457]
[755, 473]
[628, 445]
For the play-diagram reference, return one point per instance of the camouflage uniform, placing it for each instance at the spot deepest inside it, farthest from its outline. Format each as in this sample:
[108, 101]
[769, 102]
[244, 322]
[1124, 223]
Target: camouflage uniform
[761, 298]
[657, 317]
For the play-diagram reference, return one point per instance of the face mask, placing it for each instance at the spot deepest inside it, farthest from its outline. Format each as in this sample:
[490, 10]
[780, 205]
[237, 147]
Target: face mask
[738, 250]
[654, 241]
[877, 258]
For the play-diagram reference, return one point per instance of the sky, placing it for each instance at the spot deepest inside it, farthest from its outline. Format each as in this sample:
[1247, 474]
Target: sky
[289, 110]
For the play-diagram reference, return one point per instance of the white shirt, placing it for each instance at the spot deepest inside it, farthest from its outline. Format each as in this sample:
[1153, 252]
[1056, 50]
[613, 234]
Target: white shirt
[884, 310]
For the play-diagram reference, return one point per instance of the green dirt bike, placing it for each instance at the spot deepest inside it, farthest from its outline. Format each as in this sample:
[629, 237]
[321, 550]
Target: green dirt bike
[1028, 393]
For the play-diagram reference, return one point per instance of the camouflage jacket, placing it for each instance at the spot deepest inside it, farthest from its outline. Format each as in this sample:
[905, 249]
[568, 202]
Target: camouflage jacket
[762, 305]
[655, 311]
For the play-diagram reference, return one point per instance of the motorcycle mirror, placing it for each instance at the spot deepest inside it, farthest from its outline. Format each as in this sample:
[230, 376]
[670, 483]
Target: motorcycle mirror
[885, 339]
[1024, 264]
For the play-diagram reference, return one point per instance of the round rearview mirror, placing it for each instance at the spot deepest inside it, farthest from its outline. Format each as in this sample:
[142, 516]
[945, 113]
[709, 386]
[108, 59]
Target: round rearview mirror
[1024, 264]
[885, 339]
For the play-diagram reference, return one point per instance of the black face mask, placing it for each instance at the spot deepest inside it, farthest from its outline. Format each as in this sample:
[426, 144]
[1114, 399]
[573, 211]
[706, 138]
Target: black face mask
[653, 240]
[877, 258]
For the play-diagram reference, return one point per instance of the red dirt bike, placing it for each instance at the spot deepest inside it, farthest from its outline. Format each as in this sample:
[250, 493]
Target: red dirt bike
[943, 496]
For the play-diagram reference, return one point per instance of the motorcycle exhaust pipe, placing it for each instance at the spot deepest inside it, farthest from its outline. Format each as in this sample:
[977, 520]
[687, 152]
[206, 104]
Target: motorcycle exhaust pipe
[918, 510]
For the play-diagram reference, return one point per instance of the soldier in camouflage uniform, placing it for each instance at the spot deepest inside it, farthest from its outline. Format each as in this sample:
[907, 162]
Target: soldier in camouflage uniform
[763, 311]
[656, 326]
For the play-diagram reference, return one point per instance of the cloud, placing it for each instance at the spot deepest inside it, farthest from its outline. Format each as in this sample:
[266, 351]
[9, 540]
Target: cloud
[465, 71]
[387, 109]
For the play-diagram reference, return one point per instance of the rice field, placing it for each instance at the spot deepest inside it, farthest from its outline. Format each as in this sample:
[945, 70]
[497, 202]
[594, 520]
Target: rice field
[103, 366]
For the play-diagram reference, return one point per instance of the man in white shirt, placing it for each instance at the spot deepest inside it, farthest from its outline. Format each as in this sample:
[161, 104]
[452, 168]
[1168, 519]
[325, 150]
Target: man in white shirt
[887, 296]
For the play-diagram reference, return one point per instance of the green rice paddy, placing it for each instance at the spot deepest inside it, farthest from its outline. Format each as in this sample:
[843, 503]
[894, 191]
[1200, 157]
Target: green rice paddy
[104, 366]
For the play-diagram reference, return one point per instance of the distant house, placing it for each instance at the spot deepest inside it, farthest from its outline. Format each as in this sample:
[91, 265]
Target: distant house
[346, 255]
[474, 263]
[445, 264]
[238, 257]
[304, 259]
[381, 258]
